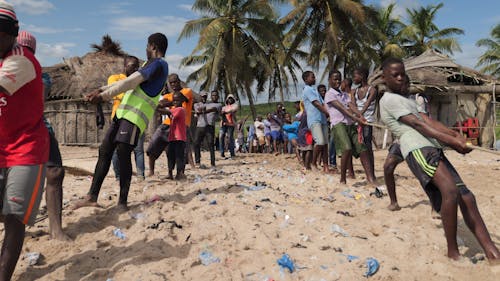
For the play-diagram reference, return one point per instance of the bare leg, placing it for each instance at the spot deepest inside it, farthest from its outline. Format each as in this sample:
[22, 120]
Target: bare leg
[11, 247]
[350, 168]
[389, 167]
[54, 198]
[324, 155]
[365, 161]
[151, 166]
[316, 153]
[476, 224]
[308, 155]
[344, 161]
[450, 197]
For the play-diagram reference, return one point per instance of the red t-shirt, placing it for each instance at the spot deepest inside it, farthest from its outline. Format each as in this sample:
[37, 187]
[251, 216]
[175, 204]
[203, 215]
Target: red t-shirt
[178, 125]
[24, 139]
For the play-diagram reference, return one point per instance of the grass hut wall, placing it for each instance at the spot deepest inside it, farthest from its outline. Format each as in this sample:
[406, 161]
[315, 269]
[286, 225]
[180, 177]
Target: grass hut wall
[455, 93]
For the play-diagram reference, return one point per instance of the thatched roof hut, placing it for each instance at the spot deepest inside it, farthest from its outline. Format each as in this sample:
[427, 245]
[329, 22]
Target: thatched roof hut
[73, 119]
[455, 92]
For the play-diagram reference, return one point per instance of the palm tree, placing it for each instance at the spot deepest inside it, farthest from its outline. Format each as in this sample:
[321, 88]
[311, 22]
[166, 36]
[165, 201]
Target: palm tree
[490, 60]
[422, 34]
[108, 46]
[327, 26]
[387, 28]
[232, 45]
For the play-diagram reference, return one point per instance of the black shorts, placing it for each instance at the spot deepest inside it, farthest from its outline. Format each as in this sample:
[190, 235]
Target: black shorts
[158, 142]
[55, 159]
[423, 163]
[124, 131]
[395, 152]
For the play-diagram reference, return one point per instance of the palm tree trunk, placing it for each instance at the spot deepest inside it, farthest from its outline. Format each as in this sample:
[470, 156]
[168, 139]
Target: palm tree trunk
[250, 101]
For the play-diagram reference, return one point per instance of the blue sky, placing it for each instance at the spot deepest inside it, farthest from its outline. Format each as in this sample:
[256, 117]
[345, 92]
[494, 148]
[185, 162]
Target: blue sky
[66, 28]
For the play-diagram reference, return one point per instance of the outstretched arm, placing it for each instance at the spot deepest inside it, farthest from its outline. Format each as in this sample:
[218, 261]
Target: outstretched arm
[320, 107]
[347, 112]
[441, 135]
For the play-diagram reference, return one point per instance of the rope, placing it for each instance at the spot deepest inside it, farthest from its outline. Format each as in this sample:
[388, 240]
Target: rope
[475, 147]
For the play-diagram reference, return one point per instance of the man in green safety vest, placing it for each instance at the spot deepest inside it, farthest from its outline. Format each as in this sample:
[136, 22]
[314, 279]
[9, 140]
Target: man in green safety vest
[138, 105]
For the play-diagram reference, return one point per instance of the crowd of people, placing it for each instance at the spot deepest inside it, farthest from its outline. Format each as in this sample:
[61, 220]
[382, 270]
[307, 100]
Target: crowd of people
[330, 122]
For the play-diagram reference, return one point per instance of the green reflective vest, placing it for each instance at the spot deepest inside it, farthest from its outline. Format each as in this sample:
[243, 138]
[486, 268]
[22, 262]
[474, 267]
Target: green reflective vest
[137, 107]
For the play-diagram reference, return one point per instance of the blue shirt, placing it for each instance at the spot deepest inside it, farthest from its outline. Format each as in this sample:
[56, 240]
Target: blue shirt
[155, 73]
[314, 116]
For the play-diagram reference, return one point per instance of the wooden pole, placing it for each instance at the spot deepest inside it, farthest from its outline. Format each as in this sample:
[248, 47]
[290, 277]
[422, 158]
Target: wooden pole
[494, 102]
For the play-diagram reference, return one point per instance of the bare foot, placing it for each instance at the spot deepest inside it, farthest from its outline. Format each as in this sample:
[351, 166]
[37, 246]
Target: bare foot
[61, 236]
[85, 202]
[394, 207]
[435, 215]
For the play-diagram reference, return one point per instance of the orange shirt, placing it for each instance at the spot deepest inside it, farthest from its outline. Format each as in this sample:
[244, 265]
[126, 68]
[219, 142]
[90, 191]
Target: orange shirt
[188, 106]
[116, 99]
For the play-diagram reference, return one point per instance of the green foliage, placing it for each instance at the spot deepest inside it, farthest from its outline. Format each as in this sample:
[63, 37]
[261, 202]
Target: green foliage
[422, 34]
[490, 59]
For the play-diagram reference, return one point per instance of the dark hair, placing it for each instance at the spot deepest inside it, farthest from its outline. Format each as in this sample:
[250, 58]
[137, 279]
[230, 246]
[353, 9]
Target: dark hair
[321, 86]
[333, 71]
[126, 58]
[172, 75]
[363, 71]
[160, 41]
[391, 60]
[306, 74]
[348, 81]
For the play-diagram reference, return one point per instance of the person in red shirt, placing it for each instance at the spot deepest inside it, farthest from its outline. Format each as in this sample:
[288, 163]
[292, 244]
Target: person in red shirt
[24, 139]
[177, 136]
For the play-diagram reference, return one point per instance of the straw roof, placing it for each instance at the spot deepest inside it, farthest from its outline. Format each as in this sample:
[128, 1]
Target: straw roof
[435, 73]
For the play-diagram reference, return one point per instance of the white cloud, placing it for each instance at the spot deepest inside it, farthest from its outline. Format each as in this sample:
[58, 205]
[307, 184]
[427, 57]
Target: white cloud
[117, 8]
[33, 7]
[138, 26]
[174, 65]
[185, 7]
[49, 54]
[48, 30]
[469, 55]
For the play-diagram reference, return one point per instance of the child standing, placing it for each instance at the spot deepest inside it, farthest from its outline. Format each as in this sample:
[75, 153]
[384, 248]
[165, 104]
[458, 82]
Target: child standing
[177, 137]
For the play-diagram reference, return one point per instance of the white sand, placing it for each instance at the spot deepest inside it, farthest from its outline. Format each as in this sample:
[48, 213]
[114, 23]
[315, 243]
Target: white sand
[248, 230]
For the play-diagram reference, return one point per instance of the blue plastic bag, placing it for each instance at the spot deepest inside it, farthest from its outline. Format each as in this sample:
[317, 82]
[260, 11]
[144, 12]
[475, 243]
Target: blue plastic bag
[372, 267]
[286, 262]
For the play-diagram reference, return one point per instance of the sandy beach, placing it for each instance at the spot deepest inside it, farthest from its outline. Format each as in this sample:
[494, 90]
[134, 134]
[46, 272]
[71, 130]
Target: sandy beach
[247, 229]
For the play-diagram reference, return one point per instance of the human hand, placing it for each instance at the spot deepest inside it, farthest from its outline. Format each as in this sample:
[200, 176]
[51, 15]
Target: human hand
[94, 97]
[164, 103]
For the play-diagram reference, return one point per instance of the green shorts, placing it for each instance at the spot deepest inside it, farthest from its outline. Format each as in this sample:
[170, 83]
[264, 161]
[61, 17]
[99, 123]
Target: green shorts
[21, 189]
[345, 138]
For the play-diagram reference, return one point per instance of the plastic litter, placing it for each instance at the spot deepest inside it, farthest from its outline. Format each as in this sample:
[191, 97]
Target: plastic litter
[118, 233]
[213, 202]
[377, 193]
[207, 258]
[202, 197]
[350, 258]
[337, 229]
[258, 186]
[372, 266]
[137, 216]
[155, 198]
[33, 258]
[347, 194]
[197, 179]
[286, 262]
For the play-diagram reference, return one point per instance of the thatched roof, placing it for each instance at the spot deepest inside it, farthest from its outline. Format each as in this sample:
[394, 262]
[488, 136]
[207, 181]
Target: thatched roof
[77, 76]
[435, 73]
